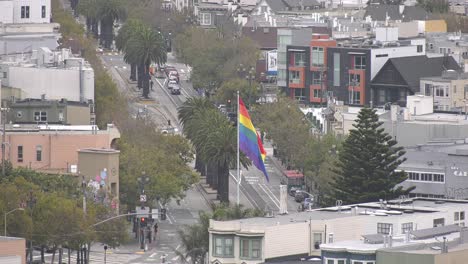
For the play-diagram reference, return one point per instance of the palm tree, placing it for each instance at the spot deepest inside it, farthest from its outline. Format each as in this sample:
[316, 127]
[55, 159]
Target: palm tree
[186, 114]
[125, 33]
[89, 9]
[144, 47]
[109, 11]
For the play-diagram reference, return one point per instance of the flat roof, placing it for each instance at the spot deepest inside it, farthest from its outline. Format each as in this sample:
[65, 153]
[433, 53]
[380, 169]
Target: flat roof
[413, 206]
[99, 151]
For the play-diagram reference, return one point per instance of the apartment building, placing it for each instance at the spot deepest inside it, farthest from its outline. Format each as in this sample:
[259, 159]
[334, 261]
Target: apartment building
[25, 11]
[12, 250]
[297, 235]
[450, 91]
[307, 67]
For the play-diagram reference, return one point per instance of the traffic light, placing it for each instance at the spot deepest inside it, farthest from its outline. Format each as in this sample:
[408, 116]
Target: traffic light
[163, 214]
[143, 222]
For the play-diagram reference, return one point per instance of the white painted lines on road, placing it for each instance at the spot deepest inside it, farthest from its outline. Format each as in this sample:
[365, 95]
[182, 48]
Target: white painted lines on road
[175, 258]
[270, 194]
[153, 255]
[177, 248]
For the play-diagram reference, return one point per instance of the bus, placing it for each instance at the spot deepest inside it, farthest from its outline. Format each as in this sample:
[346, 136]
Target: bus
[293, 179]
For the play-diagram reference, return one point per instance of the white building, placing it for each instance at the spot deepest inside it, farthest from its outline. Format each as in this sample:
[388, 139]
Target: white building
[25, 11]
[256, 240]
[47, 75]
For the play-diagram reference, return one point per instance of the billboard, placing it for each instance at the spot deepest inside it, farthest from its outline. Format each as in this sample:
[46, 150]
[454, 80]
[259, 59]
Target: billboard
[272, 59]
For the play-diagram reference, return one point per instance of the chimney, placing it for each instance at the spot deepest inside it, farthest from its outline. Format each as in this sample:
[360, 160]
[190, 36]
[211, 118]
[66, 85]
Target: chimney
[401, 8]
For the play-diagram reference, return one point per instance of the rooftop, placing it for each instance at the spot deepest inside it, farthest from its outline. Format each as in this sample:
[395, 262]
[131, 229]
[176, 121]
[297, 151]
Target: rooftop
[391, 209]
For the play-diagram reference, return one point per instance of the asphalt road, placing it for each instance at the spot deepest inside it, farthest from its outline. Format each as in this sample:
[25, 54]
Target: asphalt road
[255, 190]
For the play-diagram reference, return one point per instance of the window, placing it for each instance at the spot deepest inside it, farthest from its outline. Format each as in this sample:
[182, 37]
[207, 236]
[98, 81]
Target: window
[335, 261]
[316, 77]
[223, 246]
[439, 222]
[299, 94]
[454, 89]
[360, 62]
[459, 216]
[419, 48]
[381, 55]
[251, 248]
[43, 11]
[336, 69]
[5, 75]
[317, 93]
[299, 59]
[24, 11]
[354, 97]
[20, 153]
[38, 153]
[317, 240]
[317, 56]
[384, 228]
[40, 116]
[439, 91]
[427, 177]
[294, 77]
[428, 89]
[406, 227]
[354, 79]
[205, 19]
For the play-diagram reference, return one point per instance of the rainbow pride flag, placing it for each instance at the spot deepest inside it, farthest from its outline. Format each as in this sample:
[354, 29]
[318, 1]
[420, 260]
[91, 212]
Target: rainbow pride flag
[249, 140]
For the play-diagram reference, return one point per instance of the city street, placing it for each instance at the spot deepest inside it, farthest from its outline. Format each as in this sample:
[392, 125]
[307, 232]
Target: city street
[256, 192]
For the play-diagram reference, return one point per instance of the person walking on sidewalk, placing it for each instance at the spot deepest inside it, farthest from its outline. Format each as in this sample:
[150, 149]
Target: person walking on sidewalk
[151, 84]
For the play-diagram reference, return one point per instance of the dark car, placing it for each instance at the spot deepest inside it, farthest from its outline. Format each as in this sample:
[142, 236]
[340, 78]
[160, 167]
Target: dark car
[292, 191]
[175, 89]
[300, 196]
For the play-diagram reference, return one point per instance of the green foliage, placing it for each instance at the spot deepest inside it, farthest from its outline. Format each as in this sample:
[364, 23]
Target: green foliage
[367, 163]
[228, 90]
[455, 22]
[214, 59]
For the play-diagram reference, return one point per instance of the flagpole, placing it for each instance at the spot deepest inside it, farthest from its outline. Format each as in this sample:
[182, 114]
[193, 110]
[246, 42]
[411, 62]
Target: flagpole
[238, 151]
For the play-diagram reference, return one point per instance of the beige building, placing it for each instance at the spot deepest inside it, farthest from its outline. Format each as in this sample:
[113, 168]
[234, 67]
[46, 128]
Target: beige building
[101, 166]
[448, 91]
[12, 250]
[54, 148]
[256, 240]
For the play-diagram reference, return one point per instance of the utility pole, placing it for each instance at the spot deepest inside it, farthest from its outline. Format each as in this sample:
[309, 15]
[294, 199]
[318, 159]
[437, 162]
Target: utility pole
[31, 204]
[4, 119]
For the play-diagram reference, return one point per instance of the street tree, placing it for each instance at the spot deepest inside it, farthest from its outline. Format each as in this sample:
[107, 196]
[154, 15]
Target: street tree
[228, 91]
[109, 11]
[121, 42]
[144, 47]
[90, 10]
[367, 164]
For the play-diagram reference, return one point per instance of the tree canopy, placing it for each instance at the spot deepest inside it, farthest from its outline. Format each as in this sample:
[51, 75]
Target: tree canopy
[367, 164]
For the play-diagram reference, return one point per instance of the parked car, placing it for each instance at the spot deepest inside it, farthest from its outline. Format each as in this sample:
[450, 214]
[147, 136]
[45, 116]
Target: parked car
[300, 196]
[175, 89]
[292, 191]
[171, 84]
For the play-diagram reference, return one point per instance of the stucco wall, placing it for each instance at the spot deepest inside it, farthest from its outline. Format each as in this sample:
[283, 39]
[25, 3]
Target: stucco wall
[436, 26]
[404, 258]
[13, 247]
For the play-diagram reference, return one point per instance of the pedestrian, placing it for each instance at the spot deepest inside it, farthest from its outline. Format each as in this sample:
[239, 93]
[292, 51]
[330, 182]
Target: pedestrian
[155, 230]
[151, 84]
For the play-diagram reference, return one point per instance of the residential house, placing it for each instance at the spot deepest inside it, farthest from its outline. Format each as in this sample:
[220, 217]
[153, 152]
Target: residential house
[46, 74]
[402, 13]
[448, 90]
[211, 15]
[272, 7]
[400, 77]
[458, 7]
[454, 44]
[302, 234]
[63, 112]
[356, 62]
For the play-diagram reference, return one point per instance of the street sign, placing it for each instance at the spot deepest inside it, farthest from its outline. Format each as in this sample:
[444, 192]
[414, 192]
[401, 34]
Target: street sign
[142, 211]
[155, 213]
[143, 198]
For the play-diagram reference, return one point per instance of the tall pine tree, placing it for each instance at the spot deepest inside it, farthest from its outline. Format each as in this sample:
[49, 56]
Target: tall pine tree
[367, 162]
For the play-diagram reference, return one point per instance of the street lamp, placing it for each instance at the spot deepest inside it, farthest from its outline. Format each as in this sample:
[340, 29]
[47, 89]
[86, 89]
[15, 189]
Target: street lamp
[5, 218]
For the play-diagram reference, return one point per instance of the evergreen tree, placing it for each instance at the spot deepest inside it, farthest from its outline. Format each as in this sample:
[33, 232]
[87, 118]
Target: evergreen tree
[366, 165]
